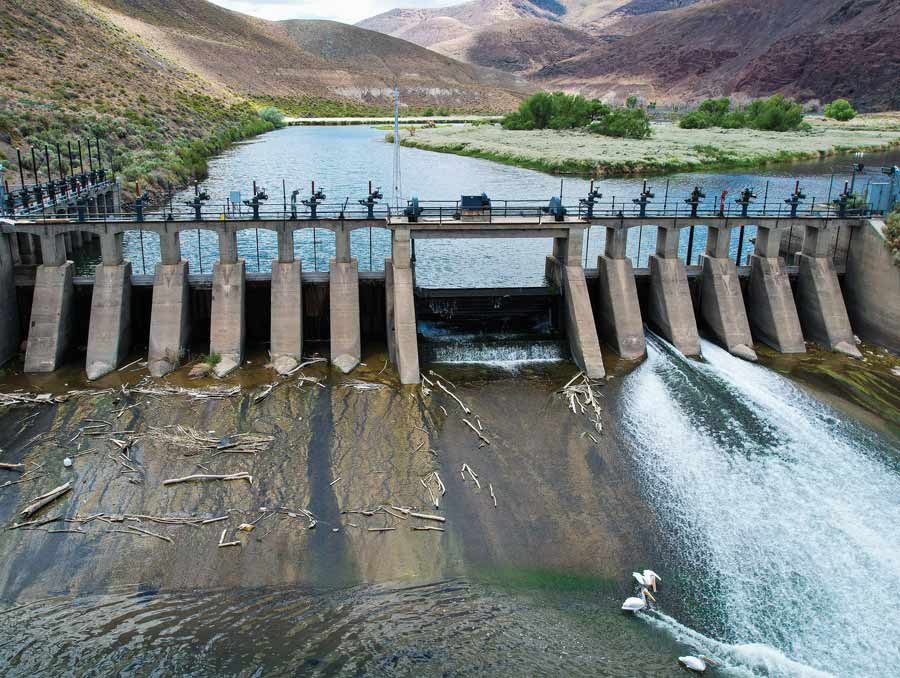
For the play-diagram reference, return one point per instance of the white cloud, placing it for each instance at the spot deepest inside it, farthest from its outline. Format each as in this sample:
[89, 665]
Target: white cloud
[348, 11]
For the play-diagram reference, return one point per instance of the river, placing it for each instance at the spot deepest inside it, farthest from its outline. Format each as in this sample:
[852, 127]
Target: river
[768, 507]
[343, 159]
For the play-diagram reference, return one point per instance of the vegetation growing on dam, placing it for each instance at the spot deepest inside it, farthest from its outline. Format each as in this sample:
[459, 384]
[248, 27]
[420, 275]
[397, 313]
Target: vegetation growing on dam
[670, 149]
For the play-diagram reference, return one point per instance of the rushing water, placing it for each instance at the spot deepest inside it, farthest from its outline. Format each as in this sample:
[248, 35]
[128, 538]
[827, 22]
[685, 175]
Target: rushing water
[779, 516]
[342, 159]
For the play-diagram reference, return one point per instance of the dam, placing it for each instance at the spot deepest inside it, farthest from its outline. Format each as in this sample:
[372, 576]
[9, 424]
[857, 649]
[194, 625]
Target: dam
[840, 283]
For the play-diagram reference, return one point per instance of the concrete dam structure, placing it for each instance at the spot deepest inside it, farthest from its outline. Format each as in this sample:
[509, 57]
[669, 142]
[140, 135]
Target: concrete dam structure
[737, 305]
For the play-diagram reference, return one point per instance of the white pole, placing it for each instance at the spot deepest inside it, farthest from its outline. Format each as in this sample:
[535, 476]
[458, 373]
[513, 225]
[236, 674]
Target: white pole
[398, 186]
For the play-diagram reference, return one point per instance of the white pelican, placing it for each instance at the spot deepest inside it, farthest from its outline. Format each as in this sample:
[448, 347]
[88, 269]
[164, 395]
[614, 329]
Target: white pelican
[648, 579]
[695, 664]
[651, 578]
[635, 604]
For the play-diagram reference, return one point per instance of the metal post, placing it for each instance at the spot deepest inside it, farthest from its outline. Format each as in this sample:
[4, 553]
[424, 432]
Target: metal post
[765, 197]
[740, 245]
[315, 256]
[371, 268]
[143, 261]
[690, 249]
[257, 251]
[665, 204]
[641, 235]
[199, 252]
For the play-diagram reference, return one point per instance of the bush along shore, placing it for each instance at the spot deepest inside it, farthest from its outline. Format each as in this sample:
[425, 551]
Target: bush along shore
[669, 148]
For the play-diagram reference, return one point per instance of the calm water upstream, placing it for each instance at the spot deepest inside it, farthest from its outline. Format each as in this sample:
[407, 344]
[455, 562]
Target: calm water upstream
[342, 159]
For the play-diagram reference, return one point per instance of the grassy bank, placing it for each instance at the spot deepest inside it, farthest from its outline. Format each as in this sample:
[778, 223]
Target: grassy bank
[670, 149]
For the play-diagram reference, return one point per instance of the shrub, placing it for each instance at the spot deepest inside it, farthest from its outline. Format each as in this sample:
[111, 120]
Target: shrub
[630, 123]
[775, 114]
[631, 102]
[273, 115]
[733, 120]
[840, 109]
[558, 110]
[694, 120]
[715, 109]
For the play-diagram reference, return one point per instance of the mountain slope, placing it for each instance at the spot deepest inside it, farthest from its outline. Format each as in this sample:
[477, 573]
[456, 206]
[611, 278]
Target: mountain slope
[255, 57]
[816, 50]
[675, 50]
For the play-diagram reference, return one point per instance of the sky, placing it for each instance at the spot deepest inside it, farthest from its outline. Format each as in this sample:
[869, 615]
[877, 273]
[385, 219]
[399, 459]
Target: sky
[348, 11]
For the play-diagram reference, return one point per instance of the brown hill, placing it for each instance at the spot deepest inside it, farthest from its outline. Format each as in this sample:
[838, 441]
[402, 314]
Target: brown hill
[675, 50]
[818, 50]
[255, 57]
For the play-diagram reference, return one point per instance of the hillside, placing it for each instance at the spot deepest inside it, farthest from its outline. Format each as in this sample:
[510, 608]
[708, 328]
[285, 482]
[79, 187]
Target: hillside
[165, 83]
[816, 50]
[672, 51]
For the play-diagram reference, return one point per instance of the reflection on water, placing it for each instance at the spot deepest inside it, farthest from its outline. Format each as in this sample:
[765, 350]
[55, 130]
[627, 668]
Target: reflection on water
[342, 159]
[779, 514]
[447, 628]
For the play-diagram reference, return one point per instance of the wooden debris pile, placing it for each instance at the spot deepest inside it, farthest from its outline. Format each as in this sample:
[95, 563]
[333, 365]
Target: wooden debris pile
[22, 398]
[440, 383]
[581, 398]
[197, 442]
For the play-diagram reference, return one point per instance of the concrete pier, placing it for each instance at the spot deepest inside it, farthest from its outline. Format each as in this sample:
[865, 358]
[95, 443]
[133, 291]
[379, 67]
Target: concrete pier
[110, 329]
[671, 308]
[169, 326]
[823, 315]
[50, 329]
[9, 306]
[771, 308]
[227, 332]
[403, 346]
[581, 329]
[721, 299]
[346, 343]
[872, 286]
[620, 323]
[286, 339]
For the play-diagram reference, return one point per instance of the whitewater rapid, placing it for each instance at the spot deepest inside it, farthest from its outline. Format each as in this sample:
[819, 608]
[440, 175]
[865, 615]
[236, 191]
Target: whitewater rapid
[780, 516]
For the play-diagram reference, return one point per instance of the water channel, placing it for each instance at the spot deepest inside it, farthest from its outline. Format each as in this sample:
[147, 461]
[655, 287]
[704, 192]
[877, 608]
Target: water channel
[773, 512]
[343, 159]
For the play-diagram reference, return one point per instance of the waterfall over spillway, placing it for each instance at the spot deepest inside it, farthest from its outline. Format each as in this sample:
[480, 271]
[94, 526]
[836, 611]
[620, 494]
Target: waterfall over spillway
[781, 517]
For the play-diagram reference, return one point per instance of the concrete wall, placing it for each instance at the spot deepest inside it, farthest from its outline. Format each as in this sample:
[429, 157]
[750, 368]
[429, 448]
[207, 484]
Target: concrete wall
[346, 343]
[50, 330]
[286, 338]
[227, 331]
[872, 287]
[671, 309]
[110, 329]
[722, 306]
[169, 322]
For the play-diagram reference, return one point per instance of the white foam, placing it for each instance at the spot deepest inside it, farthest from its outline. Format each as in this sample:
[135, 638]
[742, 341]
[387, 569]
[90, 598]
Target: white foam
[784, 513]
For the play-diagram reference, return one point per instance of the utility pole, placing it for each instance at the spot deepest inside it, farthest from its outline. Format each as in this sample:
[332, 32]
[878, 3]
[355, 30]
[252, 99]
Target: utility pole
[397, 198]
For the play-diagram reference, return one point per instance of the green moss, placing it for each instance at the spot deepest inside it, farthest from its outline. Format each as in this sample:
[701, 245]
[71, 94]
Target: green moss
[542, 580]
